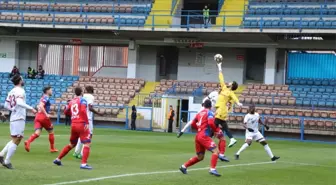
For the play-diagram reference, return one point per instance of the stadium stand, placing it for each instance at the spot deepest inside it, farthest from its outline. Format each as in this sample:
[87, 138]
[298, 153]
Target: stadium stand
[290, 14]
[129, 13]
[112, 94]
[34, 87]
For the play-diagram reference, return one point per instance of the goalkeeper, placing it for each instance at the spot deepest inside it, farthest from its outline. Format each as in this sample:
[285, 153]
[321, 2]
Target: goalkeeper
[226, 95]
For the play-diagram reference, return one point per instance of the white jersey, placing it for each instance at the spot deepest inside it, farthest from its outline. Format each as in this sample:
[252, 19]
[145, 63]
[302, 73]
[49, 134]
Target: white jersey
[213, 96]
[252, 121]
[18, 112]
[90, 100]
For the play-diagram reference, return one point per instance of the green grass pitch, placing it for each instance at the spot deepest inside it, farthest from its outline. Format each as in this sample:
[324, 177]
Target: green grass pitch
[145, 158]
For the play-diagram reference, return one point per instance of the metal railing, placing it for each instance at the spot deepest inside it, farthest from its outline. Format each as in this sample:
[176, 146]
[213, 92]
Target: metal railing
[117, 21]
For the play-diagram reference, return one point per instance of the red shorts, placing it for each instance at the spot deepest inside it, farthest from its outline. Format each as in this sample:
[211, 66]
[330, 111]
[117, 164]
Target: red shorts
[202, 143]
[80, 132]
[43, 122]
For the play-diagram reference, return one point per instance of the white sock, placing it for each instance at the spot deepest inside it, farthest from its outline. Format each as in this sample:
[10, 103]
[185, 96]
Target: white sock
[242, 148]
[5, 149]
[269, 151]
[11, 150]
[78, 147]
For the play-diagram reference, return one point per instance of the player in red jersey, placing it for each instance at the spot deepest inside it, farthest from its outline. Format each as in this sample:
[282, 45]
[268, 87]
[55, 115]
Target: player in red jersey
[204, 122]
[42, 120]
[77, 108]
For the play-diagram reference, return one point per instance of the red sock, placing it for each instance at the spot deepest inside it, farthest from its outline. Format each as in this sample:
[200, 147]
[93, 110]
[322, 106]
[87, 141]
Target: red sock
[52, 140]
[214, 159]
[221, 146]
[32, 138]
[65, 151]
[86, 153]
[191, 161]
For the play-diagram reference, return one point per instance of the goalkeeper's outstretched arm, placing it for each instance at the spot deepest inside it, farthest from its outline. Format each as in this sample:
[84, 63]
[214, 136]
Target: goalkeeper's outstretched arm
[221, 76]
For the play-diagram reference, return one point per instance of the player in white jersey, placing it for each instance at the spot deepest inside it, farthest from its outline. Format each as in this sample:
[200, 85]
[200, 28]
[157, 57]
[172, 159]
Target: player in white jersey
[251, 124]
[213, 98]
[88, 96]
[16, 103]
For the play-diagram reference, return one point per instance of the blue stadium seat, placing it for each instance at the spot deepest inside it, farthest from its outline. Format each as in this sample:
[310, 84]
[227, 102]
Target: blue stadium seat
[303, 82]
[288, 81]
[325, 82]
[321, 89]
[318, 95]
[295, 82]
[299, 101]
[306, 89]
[314, 102]
[292, 88]
[321, 103]
[325, 95]
[329, 90]
[300, 89]
[302, 94]
[332, 83]
[310, 96]
[306, 102]
[329, 104]
[332, 96]
[313, 89]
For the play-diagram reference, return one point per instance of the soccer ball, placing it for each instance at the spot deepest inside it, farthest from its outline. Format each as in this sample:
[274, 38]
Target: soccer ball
[218, 58]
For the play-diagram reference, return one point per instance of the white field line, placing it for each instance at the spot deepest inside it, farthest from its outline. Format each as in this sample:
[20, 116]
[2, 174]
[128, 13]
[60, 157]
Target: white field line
[154, 173]
[306, 164]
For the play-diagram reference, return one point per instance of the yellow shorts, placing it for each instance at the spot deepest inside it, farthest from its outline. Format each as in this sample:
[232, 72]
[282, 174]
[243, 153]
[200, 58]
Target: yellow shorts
[222, 114]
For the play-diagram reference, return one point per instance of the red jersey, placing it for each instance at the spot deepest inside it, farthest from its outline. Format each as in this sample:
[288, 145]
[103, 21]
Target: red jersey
[76, 108]
[204, 122]
[46, 102]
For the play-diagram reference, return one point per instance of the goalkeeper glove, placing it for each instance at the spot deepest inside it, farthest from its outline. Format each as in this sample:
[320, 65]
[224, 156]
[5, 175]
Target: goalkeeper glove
[179, 134]
[250, 129]
[239, 104]
[219, 65]
[267, 127]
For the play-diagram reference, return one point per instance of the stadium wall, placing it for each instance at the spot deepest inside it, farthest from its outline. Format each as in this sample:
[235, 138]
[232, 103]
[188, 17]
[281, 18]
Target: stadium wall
[147, 63]
[115, 72]
[28, 55]
[9, 54]
[199, 65]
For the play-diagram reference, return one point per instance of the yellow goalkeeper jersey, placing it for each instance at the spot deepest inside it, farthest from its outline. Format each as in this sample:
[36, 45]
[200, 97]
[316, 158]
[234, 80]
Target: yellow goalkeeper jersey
[225, 96]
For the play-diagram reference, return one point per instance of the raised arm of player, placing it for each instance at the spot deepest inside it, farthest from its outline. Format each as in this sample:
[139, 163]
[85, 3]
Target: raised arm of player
[221, 77]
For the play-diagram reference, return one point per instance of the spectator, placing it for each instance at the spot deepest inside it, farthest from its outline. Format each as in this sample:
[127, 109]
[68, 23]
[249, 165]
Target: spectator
[206, 16]
[34, 73]
[15, 71]
[133, 118]
[171, 116]
[67, 117]
[40, 72]
[30, 73]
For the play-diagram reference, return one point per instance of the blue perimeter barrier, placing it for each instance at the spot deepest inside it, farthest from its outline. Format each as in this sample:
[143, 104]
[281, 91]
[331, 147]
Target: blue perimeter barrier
[125, 119]
[262, 130]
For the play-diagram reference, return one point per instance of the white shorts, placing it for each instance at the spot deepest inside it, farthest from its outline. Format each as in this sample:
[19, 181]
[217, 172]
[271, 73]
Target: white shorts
[256, 136]
[17, 128]
[91, 126]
